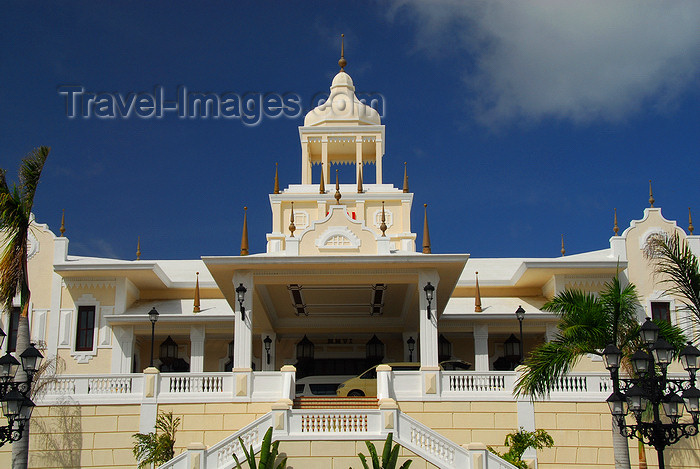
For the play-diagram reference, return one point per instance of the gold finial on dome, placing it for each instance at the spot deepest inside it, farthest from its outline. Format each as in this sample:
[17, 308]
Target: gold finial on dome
[337, 188]
[244, 236]
[690, 222]
[342, 62]
[616, 228]
[383, 225]
[277, 181]
[63, 223]
[563, 251]
[138, 248]
[322, 186]
[359, 178]
[405, 177]
[196, 308]
[426, 233]
[292, 227]
[651, 196]
[477, 296]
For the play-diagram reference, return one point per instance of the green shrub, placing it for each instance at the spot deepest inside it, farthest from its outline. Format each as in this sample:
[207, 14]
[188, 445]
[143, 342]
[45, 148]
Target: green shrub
[268, 454]
[520, 441]
[389, 455]
[157, 448]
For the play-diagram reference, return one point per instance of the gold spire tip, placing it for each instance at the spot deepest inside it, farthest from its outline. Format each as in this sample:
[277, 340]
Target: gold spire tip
[342, 62]
[690, 222]
[563, 251]
[138, 248]
[63, 222]
[615, 227]
[651, 195]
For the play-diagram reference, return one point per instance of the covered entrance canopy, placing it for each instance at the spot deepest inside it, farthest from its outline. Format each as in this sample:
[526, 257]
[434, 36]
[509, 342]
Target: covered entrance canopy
[337, 295]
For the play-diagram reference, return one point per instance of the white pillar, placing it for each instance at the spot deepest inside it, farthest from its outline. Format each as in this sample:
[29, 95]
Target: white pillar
[481, 347]
[197, 336]
[305, 165]
[265, 365]
[358, 157]
[325, 167]
[428, 327]
[550, 332]
[243, 332]
[123, 349]
[378, 159]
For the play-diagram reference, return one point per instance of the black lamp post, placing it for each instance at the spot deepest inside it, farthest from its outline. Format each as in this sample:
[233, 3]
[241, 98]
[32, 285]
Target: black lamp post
[520, 314]
[429, 291]
[14, 395]
[656, 389]
[153, 316]
[268, 344]
[411, 347]
[240, 293]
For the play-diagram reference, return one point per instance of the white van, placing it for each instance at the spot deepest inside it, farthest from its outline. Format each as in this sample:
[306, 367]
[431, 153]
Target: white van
[319, 386]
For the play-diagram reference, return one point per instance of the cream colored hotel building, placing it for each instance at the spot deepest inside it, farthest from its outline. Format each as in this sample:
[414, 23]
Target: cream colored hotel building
[341, 267]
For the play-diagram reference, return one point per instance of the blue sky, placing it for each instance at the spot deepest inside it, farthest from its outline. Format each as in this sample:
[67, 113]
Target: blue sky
[519, 121]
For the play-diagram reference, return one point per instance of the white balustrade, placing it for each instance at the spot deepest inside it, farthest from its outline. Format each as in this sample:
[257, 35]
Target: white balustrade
[182, 383]
[334, 423]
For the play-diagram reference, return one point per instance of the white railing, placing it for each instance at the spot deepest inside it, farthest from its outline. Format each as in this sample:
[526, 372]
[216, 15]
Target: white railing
[183, 383]
[342, 424]
[269, 386]
[265, 386]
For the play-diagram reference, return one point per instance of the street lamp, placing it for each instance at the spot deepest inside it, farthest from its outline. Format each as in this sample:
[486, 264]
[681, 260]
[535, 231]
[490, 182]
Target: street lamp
[520, 314]
[14, 395]
[429, 291]
[240, 293]
[411, 347]
[655, 389]
[153, 316]
[268, 344]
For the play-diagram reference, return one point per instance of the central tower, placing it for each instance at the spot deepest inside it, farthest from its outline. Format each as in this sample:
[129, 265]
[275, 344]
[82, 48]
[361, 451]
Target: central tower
[327, 217]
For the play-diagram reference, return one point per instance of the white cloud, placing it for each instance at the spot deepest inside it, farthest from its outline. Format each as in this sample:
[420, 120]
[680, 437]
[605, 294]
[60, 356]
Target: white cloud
[584, 60]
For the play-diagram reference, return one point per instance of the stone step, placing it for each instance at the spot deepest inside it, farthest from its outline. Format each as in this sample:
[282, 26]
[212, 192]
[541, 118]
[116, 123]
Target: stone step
[305, 402]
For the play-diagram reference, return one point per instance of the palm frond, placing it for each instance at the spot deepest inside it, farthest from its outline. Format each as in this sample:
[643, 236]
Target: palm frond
[29, 174]
[545, 365]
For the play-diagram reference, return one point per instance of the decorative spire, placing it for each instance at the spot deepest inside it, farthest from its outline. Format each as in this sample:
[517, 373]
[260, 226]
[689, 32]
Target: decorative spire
[196, 308]
[563, 251]
[244, 236]
[277, 181]
[359, 179]
[616, 228]
[651, 196]
[426, 234]
[322, 186]
[405, 177]
[138, 249]
[292, 228]
[342, 62]
[477, 296]
[383, 225]
[337, 188]
[63, 223]
[690, 222]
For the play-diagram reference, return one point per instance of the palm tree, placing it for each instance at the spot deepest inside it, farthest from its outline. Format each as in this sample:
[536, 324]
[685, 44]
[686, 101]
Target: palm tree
[673, 258]
[15, 217]
[587, 323]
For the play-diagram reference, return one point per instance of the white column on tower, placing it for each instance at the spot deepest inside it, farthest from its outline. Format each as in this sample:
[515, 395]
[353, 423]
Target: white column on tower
[378, 159]
[324, 159]
[358, 156]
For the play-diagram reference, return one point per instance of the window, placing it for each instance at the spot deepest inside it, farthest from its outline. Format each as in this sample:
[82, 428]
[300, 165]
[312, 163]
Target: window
[661, 310]
[12, 330]
[86, 328]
